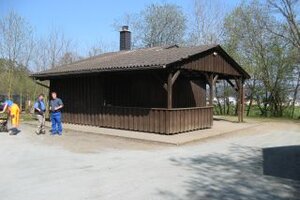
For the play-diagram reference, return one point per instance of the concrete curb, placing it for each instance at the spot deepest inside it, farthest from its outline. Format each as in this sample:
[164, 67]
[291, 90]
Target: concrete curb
[173, 140]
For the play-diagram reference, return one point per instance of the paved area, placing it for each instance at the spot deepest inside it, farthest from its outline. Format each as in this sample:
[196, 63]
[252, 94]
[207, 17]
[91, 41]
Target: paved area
[220, 127]
[88, 166]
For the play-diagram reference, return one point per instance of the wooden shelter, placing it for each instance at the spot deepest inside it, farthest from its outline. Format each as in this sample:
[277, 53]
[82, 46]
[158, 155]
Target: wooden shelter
[160, 89]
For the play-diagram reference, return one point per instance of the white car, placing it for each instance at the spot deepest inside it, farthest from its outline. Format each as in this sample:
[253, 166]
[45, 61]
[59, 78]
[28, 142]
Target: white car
[232, 101]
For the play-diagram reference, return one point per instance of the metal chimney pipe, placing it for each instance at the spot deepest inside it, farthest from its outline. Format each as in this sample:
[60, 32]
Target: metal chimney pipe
[125, 39]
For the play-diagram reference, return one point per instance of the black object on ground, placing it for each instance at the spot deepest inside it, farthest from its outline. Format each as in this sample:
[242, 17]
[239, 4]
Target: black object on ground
[282, 162]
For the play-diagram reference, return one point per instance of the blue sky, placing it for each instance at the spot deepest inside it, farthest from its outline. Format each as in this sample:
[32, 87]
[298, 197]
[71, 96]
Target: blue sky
[84, 22]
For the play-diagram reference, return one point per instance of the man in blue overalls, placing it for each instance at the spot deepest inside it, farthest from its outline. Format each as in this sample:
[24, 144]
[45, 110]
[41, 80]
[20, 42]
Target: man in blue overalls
[56, 105]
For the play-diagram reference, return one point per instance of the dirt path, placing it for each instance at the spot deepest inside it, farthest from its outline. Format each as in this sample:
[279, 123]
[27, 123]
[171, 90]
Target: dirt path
[78, 166]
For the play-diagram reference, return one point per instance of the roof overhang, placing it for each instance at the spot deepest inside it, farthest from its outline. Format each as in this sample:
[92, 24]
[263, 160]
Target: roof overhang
[46, 75]
[88, 72]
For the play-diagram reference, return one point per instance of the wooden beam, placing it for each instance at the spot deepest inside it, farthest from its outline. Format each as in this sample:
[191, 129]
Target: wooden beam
[41, 84]
[231, 84]
[237, 82]
[170, 87]
[175, 76]
[165, 86]
[215, 79]
[207, 78]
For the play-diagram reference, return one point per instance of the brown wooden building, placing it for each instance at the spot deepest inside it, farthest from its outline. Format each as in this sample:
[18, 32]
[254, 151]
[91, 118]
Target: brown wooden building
[160, 89]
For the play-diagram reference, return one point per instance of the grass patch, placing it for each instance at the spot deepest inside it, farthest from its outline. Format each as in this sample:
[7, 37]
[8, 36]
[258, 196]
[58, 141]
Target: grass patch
[255, 113]
[27, 117]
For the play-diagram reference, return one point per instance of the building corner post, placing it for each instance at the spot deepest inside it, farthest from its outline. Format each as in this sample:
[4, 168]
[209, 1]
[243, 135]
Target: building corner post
[170, 90]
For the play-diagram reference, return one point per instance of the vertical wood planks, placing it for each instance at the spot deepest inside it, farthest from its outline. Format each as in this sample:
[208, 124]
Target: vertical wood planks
[211, 63]
[92, 112]
[164, 121]
[156, 121]
[151, 121]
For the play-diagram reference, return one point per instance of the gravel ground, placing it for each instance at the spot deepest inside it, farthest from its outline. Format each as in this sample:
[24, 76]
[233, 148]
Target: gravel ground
[85, 166]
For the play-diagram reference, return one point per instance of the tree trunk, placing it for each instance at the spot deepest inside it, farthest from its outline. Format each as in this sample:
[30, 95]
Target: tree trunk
[21, 102]
[218, 100]
[250, 105]
[224, 98]
[228, 106]
[295, 94]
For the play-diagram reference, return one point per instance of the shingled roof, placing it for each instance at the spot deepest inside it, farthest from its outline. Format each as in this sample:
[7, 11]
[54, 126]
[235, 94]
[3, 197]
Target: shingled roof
[139, 59]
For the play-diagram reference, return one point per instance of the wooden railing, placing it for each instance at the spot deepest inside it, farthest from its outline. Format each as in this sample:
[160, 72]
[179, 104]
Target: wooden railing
[156, 120]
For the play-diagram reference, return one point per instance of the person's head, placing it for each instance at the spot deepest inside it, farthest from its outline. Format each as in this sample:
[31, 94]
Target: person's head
[41, 97]
[53, 95]
[9, 102]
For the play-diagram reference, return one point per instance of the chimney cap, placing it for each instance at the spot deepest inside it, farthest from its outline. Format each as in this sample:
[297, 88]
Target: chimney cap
[125, 28]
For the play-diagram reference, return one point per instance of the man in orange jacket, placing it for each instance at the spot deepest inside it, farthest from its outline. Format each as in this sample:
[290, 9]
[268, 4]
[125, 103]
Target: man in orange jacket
[14, 113]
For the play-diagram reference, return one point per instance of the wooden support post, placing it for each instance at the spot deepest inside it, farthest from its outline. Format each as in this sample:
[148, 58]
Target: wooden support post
[242, 100]
[240, 97]
[211, 90]
[211, 79]
[239, 84]
[171, 80]
[175, 76]
[231, 84]
[215, 79]
[211, 95]
[170, 88]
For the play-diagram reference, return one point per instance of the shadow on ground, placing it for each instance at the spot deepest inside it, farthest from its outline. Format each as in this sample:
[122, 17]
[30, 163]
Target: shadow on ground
[225, 120]
[236, 174]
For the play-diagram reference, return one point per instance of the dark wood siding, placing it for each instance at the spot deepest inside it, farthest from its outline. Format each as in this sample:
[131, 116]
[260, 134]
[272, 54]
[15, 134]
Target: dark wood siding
[156, 120]
[133, 102]
[134, 90]
[82, 98]
[189, 93]
[210, 63]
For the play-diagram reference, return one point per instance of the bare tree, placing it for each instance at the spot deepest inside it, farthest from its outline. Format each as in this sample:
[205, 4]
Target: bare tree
[290, 29]
[53, 51]
[16, 44]
[133, 21]
[100, 47]
[69, 57]
[266, 57]
[94, 51]
[58, 46]
[156, 25]
[162, 24]
[207, 22]
[40, 56]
